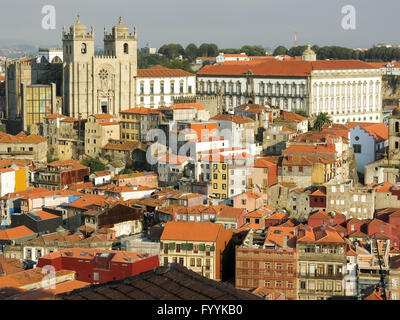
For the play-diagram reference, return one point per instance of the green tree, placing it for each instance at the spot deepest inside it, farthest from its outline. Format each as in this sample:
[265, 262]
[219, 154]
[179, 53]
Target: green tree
[253, 50]
[94, 164]
[202, 51]
[230, 51]
[320, 120]
[191, 52]
[280, 51]
[212, 50]
[296, 51]
[178, 64]
[172, 50]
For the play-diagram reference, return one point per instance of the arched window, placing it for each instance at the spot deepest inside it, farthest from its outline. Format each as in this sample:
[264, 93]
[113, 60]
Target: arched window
[83, 48]
[126, 48]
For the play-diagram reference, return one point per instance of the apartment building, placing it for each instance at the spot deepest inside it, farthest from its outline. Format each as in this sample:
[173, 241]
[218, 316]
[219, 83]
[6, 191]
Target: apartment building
[268, 261]
[201, 247]
[321, 263]
[23, 147]
[136, 122]
[98, 130]
[158, 86]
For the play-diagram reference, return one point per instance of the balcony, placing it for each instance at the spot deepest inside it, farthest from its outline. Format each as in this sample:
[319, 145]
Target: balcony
[320, 276]
[16, 152]
[331, 257]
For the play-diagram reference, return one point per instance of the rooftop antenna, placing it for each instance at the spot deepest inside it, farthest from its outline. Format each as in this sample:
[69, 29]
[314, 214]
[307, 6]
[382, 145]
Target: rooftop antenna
[295, 38]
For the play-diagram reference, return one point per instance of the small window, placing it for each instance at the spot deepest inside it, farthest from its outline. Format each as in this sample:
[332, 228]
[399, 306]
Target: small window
[357, 148]
[83, 48]
[126, 48]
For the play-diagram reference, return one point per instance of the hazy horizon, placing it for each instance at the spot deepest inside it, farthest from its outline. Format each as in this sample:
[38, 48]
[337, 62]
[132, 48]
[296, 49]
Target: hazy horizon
[229, 24]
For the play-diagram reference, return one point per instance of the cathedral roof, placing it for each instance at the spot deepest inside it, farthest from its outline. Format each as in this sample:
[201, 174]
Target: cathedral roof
[78, 27]
[120, 26]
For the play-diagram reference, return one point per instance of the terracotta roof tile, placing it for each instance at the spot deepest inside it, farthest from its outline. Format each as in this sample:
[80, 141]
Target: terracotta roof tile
[16, 233]
[233, 118]
[191, 231]
[162, 72]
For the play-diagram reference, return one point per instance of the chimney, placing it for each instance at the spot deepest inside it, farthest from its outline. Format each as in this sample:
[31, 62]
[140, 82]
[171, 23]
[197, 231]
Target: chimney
[285, 240]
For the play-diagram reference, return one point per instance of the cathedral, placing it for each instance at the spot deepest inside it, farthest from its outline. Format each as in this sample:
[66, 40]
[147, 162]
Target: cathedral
[93, 84]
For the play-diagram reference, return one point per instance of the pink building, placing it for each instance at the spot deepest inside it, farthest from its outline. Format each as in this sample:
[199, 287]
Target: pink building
[248, 200]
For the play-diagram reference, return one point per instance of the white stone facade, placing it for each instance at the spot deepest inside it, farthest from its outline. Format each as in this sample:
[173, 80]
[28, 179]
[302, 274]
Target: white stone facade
[347, 95]
[155, 92]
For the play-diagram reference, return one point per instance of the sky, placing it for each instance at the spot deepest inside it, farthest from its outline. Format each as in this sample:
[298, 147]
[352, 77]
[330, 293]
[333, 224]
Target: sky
[228, 23]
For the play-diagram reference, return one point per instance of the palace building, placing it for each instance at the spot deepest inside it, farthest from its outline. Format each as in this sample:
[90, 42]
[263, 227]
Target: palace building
[348, 90]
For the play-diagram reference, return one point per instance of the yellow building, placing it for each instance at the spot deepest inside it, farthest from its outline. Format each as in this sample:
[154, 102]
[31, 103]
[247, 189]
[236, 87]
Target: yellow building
[219, 180]
[21, 180]
[136, 122]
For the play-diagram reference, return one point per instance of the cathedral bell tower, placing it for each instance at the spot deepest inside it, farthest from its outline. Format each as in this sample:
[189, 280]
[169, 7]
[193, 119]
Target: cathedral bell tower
[78, 44]
[120, 43]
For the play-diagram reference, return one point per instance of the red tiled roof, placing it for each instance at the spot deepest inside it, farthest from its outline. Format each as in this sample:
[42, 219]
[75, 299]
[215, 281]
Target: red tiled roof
[318, 193]
[15, 233]
[54, 116]
[232, 118]
[69, 119]
[282, 68]
[141, 110]
[276, 235]
[67, 165]
[191, 231]
[102, 173]
[21, 138]
[162, 72]
[43, 215]
[379, 131]
[262, 163]
[287, 116]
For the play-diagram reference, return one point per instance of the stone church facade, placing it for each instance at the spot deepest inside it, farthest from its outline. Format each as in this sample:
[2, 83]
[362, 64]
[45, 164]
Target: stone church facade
[95, 84]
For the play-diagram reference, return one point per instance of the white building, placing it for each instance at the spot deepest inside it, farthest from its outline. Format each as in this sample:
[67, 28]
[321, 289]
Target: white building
[157, 86]
[50, 55]
[239, 130]
[7, 181]
[100, 178]
[222, 57]
[348, 90]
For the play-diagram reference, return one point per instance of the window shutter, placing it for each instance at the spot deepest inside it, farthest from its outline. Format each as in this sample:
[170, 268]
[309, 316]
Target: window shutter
[189, 246]
[212, 248]
[183, 246]
[171, 246]
[202, 247]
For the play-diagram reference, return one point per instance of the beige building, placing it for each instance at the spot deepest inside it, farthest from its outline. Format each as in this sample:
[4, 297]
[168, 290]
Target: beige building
[23, 147]
[321, 262]
[99, 84]
[352, 201]
[98, 130]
